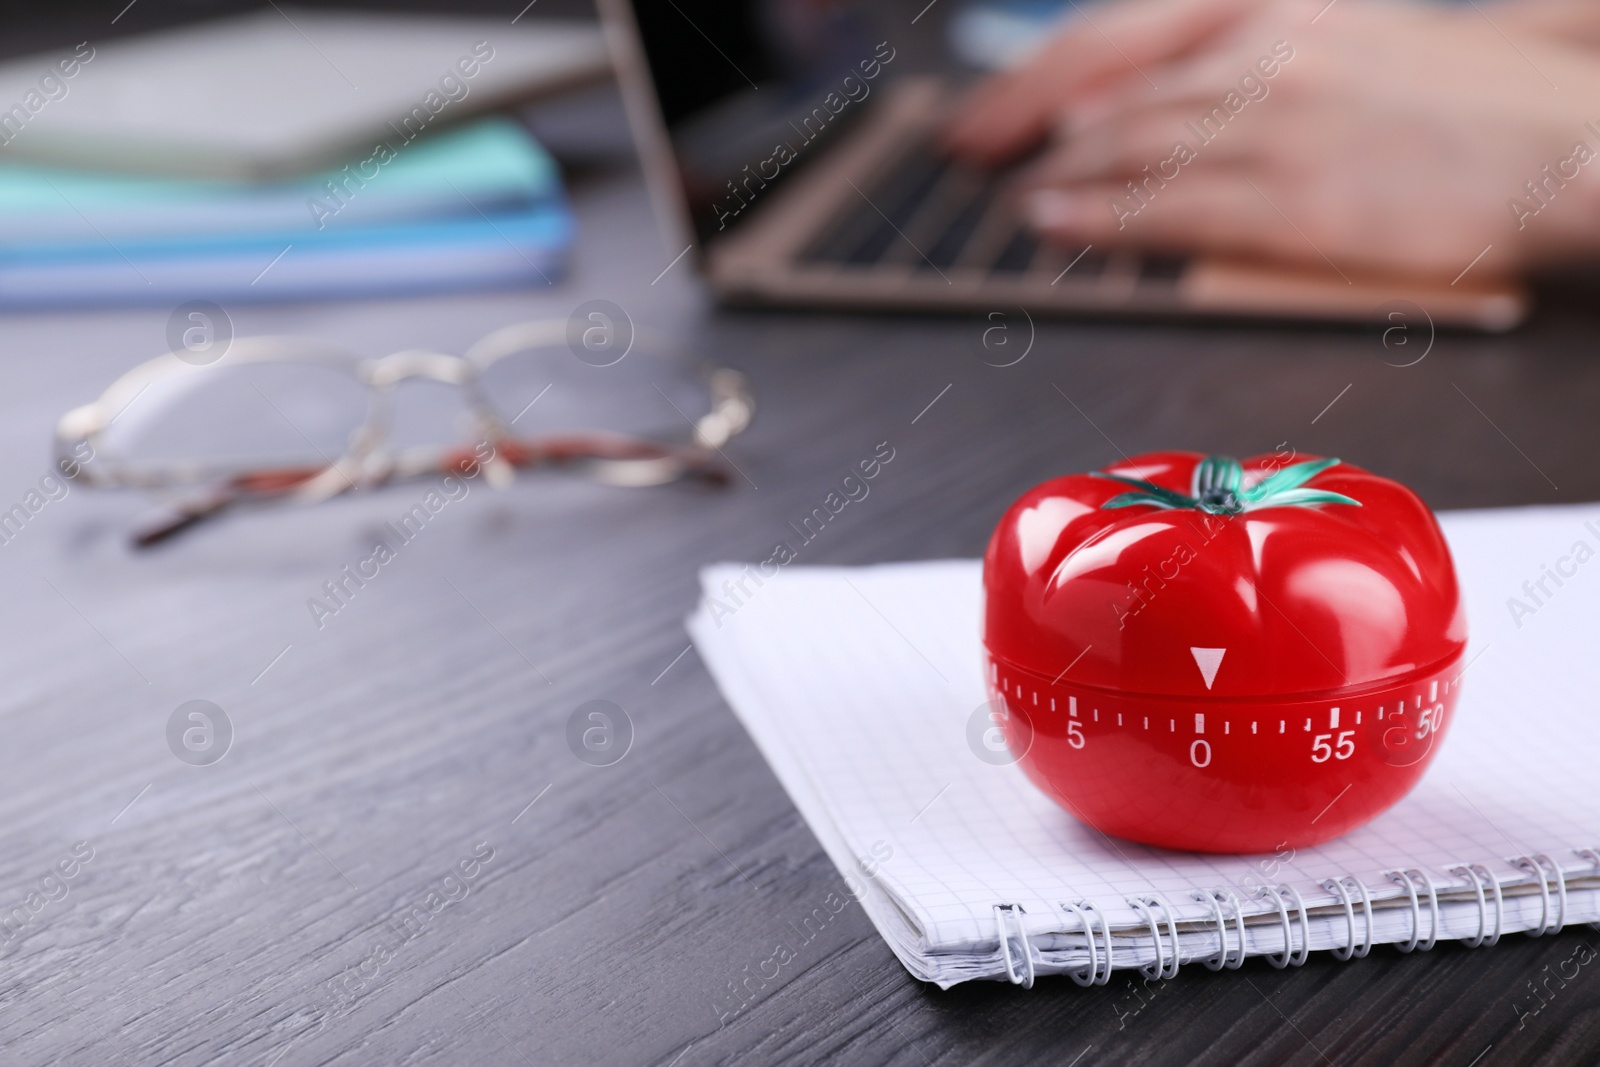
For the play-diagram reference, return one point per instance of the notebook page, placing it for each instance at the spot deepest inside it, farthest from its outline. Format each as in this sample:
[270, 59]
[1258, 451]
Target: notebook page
[868, 677]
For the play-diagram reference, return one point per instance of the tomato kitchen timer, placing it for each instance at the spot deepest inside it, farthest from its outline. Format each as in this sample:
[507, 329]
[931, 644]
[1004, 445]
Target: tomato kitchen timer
[1204, 654]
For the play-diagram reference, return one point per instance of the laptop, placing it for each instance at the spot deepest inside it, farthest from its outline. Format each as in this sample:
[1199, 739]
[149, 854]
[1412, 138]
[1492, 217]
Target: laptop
[790, 148]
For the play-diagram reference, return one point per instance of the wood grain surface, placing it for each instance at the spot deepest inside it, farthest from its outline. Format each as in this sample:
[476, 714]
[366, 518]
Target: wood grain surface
[306, 899]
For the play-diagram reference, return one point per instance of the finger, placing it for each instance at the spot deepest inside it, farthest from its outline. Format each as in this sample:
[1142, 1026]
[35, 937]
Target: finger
[1219, 213]
[1135, 129]
[1227, 78]
[1159, 141]
[1012, 112]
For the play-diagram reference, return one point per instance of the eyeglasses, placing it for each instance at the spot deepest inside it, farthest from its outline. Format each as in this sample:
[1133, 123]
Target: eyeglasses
[294, 420]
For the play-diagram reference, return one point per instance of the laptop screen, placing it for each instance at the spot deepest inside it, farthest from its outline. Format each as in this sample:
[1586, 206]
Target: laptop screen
[752, 89]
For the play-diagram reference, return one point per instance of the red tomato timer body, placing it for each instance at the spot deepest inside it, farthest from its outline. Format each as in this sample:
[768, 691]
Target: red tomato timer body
[1202, 654]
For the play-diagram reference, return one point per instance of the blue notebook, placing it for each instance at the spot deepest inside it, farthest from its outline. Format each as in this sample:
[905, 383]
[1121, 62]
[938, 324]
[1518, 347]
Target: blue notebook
[478, 206]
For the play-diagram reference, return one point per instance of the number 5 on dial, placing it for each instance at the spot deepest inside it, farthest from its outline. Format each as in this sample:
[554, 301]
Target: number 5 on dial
[1074, 733]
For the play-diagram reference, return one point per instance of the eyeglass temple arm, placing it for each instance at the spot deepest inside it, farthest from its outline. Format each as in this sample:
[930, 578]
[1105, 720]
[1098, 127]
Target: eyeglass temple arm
[523, 454]
[253, 484]
[732, 408]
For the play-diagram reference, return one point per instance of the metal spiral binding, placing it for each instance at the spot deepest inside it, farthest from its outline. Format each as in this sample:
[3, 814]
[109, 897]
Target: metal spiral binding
[1161, 968]
[1289, 956]
[1224, 958]
[1005, 944]
[1407, 878]
[1337, 885]
[1535, 864]
[1593, 857]
[1095, 976]
[1476, 879]
[1478, 874]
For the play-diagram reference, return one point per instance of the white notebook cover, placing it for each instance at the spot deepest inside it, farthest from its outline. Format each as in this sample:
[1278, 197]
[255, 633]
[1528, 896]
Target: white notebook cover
[279, 90]
[858, 685]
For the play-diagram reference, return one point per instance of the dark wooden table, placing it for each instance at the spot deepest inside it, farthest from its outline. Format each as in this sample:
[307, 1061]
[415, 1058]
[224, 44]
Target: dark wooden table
[306, 899]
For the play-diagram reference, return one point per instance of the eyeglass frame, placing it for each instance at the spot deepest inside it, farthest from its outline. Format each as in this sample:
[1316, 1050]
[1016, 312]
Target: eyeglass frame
[366, 462]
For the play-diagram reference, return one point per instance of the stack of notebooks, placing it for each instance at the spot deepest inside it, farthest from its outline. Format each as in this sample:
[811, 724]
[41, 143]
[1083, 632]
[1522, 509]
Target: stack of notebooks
[285, 154]
[478, 205]
[859, 684]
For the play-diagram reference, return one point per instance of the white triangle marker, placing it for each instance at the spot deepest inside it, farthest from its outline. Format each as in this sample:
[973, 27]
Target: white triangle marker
[1208, 660]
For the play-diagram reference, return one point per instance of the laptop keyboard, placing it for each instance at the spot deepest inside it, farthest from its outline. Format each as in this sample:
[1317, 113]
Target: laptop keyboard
[929, 215]
[870, 227]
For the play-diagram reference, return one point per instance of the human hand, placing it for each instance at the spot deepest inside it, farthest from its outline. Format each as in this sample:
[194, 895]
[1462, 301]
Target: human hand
[1394, 139]
[1104, 46]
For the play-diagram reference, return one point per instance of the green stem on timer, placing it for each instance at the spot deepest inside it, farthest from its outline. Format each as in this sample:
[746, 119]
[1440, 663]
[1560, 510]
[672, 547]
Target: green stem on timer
[1218, 489]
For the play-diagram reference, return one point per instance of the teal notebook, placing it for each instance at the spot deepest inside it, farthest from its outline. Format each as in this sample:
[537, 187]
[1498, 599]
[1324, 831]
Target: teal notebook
[481, 205]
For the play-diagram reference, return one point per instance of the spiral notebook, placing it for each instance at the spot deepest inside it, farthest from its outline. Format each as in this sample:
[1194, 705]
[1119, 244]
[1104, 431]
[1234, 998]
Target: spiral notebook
[858, 686]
